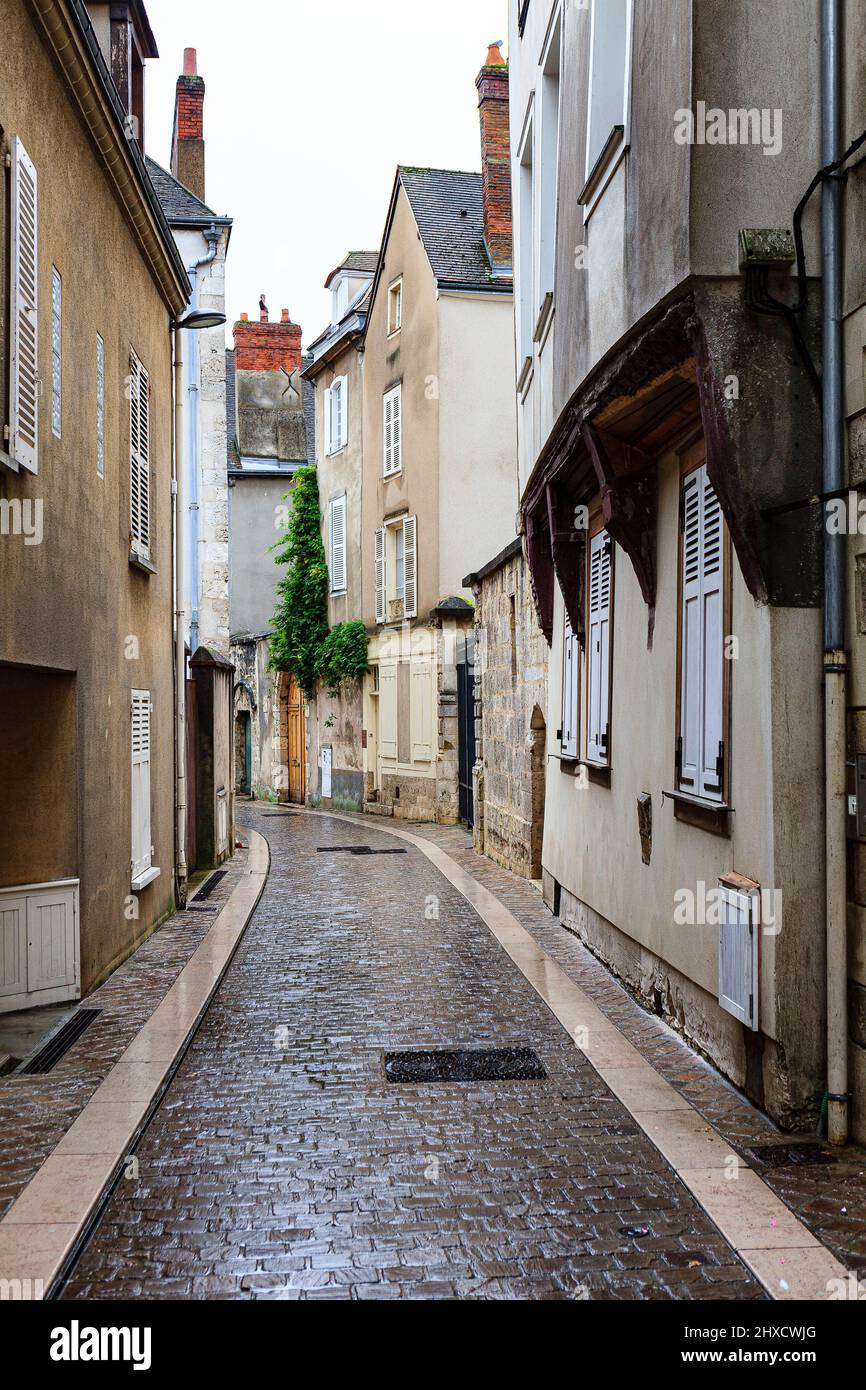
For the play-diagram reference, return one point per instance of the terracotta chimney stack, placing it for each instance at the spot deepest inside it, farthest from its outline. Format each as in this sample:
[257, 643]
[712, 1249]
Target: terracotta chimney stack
[492, 84]
[187, 141]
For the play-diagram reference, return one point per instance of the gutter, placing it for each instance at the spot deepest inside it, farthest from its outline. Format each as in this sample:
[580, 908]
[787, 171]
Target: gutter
[181, 868]
[835, 555]
[211, 235]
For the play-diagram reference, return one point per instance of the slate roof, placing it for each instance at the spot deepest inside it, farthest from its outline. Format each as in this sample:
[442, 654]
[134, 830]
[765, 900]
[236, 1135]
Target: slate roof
[355, 260]
[181, 207]
[448, 208]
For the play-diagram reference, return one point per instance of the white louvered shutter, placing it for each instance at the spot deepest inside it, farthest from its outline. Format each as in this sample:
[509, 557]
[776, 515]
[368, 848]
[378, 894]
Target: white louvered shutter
[410, 567]
[598, 648]
[326, 416]
[388, 709]
[141, 848]
[701, 752]
[569, 693]
[380, 575]
[139, 456]
[338, 544]
[739, 930]
[24, 364]
[393, 430]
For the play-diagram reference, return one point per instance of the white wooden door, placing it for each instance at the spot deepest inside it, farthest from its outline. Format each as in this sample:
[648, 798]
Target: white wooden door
[39, 945]
[51, 945]
[327, 764]
[13, 946]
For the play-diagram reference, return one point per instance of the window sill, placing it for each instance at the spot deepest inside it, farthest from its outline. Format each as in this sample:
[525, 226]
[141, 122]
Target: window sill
[597, 772]
[338, 593]
[141, 562]
[602, 171]
[544, 316]
[712, 816]
[332, 453]
[525, 378]
[395, 473]
[142, 880]
[8, 461]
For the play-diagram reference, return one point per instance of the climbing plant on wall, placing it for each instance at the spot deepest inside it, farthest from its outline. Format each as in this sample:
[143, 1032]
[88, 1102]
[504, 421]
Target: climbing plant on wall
[301, 641]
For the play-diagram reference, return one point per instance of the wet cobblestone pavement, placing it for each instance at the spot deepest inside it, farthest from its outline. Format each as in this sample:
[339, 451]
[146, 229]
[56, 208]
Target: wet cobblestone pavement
[282, 1163]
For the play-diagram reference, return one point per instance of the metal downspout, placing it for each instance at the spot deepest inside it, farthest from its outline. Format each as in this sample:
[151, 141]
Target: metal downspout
[181, 871]
[835, 546]
[212, 237]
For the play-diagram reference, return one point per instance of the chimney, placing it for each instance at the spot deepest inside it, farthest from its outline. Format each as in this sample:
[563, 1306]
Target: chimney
[266, 346]
[492, 84]
[187, 141]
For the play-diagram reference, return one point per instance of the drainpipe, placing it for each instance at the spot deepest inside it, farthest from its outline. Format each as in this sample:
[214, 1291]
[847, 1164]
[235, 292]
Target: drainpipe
[192, 462]
[181, 871]
[835, 656]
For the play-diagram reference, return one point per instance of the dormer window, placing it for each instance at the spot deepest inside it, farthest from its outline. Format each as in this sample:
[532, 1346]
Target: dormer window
[339, 298]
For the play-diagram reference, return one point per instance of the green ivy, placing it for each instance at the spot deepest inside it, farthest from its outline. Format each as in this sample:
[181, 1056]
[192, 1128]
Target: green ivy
[301, 641]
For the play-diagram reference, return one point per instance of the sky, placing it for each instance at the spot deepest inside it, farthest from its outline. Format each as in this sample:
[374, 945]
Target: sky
[309, 107]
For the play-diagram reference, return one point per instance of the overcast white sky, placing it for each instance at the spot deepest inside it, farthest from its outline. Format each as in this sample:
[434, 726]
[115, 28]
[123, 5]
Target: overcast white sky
[310, 105]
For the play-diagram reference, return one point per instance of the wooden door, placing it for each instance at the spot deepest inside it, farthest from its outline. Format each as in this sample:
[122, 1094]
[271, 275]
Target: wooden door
[295, 740]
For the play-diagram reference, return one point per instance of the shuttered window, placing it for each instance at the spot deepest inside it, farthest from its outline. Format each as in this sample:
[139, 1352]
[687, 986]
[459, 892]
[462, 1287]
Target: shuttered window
[393, 427]
[410, 567]
[337, 541]
[139, 457]
[141, 845]
[381, 576]
[570, 687]
[700, 749]
[100, 407]
[56, 352]
[599, 594]
[336, 415]
[24, 365]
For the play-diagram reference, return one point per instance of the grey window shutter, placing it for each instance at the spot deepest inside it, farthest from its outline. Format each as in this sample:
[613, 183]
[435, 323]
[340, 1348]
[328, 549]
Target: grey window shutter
[24, 376]
[410, 567]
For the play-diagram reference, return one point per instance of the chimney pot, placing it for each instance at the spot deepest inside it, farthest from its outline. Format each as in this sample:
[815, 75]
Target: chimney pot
[245, 318]
[285, 316]
[190, 66]
[494, 55]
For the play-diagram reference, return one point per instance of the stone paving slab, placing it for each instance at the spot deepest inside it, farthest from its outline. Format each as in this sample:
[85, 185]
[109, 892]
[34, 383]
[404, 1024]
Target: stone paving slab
[282, 1163]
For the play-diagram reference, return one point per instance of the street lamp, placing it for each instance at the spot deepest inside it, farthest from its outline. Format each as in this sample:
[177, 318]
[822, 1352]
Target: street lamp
[200, 318]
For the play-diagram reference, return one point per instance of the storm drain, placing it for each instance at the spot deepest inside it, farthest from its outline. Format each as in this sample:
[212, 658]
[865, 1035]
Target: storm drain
[211, 884]
[57, 1046]
[791, 1155]
[355, 849]
[201, 907]
[492, 1064]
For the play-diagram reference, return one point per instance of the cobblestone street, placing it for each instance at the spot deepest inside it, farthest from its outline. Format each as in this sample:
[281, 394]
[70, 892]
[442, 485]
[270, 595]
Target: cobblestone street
[283, 1163]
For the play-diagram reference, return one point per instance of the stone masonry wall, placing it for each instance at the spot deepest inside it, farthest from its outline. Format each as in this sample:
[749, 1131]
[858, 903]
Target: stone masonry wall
[511, 717]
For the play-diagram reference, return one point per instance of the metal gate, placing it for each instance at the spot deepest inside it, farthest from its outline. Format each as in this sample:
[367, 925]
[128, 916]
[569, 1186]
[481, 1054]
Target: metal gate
[465, 726]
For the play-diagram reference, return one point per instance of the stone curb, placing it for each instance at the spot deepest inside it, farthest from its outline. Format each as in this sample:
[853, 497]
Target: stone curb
[766, 1235]
[43, 1230]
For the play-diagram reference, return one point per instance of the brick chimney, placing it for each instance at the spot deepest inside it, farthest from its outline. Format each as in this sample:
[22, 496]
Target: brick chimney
[187, 141]
[492, 84]
[266, 346]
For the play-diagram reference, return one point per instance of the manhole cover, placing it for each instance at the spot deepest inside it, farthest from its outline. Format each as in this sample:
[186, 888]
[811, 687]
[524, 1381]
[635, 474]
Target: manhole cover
[492, 1064]
[355, 849]
[790, 1155]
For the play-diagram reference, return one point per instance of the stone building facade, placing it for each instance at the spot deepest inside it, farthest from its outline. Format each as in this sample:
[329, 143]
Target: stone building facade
[510, 715]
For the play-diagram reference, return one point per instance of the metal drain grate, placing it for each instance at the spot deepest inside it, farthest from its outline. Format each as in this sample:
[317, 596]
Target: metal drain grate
[791, 1155]
[56, 1047]
[267, 814]
[201, 907]
[207, 889]
[492, 1064]
[355, 849]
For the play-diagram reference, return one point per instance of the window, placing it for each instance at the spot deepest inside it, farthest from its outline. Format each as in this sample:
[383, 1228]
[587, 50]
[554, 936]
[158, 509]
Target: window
[701, 747]
[24, 374]
[100, 407]
[608, 76]
[570, 692]
[139, 458]
[549, 167]
[526, 249]
[143, 871]
[393, 444]
[56, 352]
[395, 307]
[598, 648]
[397, 570]
[337, 544]
[336, 415]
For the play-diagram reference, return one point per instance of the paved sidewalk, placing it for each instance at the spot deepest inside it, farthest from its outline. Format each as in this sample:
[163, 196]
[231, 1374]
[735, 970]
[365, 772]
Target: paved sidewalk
[282, 1163]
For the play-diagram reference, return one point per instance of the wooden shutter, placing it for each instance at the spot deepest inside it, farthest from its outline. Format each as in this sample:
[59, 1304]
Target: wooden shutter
[388, 709]
[342, 384]
[421, 711]
[326, 416]
[701, 751]
[570, 657]
[13, 945]
[380, 575]
[139, 456]
[398, 429]
[338, 544]
[24, 364]
[598, 648]
[739, 929]
[141, 850]
[392, 430]
[410, 567]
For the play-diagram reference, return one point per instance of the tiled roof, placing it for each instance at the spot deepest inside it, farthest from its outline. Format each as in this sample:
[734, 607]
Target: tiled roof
[361, 260]
[448, 209]
[176, 201]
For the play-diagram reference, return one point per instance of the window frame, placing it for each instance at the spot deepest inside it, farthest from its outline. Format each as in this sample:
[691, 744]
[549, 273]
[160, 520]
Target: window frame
[599, 171]
[395, 297]
[570, 748]
[547, 190]
[596, 528]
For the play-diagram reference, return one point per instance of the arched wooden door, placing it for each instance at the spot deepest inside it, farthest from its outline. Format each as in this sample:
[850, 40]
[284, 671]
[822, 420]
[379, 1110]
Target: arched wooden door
[295, 738]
